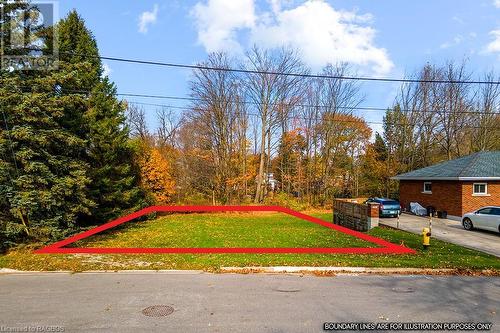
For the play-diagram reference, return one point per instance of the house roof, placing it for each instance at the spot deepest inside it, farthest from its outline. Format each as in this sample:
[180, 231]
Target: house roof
[479, 166]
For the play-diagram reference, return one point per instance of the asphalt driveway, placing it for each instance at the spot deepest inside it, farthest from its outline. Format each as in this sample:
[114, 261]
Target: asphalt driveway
[449, 231]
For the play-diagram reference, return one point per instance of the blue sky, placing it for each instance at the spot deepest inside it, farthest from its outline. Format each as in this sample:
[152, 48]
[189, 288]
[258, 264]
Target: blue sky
[379, 37]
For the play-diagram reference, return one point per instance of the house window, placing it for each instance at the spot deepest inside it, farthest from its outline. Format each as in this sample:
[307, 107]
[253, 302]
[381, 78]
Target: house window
[427, 187]
[480, 189]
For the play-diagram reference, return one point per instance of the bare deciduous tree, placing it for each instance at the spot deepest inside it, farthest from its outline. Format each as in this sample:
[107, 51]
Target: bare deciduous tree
[442, 116]
[168, 127]
[136, 121]
[486, 137]
[215, 93]
[273, 96]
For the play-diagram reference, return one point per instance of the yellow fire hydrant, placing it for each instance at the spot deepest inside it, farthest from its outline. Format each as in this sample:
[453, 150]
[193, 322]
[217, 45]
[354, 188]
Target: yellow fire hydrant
[426, 234]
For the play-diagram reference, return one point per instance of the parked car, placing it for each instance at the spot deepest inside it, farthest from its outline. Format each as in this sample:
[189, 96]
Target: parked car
[487, 218]
[388, 207]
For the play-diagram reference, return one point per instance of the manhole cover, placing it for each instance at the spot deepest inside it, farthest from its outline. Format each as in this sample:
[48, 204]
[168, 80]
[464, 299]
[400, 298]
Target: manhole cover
[403, 290]
[158, 311]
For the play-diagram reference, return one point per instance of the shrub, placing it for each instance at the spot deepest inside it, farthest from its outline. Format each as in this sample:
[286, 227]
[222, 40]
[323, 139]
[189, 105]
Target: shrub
[197, 199]
[11, 234]
[285, 200]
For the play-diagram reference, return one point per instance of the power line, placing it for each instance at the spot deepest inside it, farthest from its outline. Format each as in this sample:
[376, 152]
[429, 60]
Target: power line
[309, 118]
[361, 108]
[249, 71]
[354, 108]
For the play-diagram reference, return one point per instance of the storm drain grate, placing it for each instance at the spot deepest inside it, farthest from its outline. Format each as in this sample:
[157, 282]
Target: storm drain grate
[158, 311]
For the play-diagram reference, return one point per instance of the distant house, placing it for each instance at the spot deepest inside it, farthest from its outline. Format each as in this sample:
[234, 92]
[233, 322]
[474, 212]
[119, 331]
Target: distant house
[457, 186]
[271, 182]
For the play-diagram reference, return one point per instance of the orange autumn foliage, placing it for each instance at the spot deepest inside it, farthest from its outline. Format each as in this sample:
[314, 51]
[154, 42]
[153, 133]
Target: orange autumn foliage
[156, 176]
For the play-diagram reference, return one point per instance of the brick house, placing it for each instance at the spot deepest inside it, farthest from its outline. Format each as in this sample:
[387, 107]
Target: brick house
[457, 186]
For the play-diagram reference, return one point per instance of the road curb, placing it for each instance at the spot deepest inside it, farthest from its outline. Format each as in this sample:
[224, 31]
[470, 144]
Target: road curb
[331, 271]
[319, 271]
[8, 271]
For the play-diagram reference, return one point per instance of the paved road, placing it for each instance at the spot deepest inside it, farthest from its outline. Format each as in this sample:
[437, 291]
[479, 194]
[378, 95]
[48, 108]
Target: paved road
[240, 303]
[450, 231]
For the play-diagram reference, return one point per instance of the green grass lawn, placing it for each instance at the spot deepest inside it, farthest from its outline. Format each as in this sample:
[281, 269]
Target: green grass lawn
[224, 230]
[245, 230]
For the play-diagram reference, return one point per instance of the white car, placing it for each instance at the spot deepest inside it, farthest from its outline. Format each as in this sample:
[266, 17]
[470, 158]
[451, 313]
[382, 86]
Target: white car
[487, 218]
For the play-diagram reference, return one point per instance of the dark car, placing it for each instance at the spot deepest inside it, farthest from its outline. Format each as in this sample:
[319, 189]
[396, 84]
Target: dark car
[388, 207]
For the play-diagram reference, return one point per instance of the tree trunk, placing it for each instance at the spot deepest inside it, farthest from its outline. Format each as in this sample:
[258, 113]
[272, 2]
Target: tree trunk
[258, 192]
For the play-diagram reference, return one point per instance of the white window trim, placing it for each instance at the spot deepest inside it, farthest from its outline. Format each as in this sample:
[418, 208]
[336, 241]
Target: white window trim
[485, 194]
[427, 192]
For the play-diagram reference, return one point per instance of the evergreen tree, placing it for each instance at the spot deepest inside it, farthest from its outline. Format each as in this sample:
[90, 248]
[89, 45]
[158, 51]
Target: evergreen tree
[42, 176]
[47, 183]
[64, 152]
[115, 185]
[380, 148]
[101, 123]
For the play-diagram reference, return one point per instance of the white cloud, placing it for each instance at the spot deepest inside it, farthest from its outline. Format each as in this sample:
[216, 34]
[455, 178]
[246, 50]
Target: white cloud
[494, 46]
[148, 18]
[455, 41]
[324, 35]
[218, 21]
[459, 39]
[106, 70]
[321, 33]
[277, 5]
[496, 3]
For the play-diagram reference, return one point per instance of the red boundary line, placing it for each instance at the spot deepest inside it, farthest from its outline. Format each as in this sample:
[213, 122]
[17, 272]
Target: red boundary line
[386, 247]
